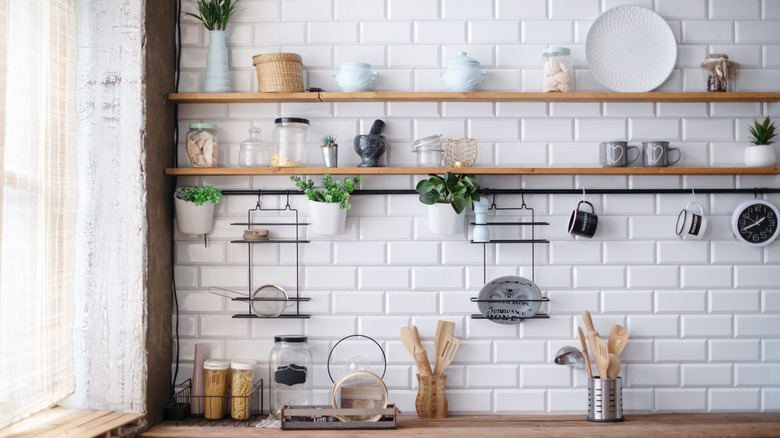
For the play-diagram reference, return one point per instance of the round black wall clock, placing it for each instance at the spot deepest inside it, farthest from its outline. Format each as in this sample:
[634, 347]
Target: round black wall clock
[755, 222]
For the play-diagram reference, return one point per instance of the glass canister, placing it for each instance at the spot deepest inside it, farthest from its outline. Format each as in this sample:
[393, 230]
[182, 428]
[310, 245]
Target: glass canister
[242, 376]
[202, 144]
[215, 373]
[719, 72]
[254, 152]
[428, 150]
[289, 138]
[290, 372]
[558, 74]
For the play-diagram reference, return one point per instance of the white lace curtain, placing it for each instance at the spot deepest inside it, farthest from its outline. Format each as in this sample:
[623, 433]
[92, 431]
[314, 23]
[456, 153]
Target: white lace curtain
[38, 197]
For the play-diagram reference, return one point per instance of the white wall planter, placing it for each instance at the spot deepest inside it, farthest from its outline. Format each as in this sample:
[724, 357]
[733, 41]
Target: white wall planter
[194, 219]
[442, 219]
[760, 155]
[327, 219]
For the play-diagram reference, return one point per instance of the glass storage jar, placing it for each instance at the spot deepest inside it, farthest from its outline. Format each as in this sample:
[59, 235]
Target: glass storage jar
[719, 72]
[202, 144]
[242, 376]
[289, 138]
[215, 372]
[290, 372]
[558, 74]
[254, 152]
[428, 150]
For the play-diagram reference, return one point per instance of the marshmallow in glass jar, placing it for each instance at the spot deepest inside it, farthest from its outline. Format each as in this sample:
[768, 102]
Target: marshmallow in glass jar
[558, 75]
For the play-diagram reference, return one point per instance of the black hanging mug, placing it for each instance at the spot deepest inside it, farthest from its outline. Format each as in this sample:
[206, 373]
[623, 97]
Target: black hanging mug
[582, 223]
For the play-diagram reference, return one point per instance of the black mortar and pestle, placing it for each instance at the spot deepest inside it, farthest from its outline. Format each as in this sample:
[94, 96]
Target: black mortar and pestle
[372, 146]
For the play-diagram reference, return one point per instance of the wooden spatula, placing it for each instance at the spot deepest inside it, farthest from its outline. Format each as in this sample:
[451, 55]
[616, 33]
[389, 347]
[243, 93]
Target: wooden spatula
[444, 329]
[601, 355]
[444, 359]
[420, 356]
[614, 366]
[617, 339]
[585, 351]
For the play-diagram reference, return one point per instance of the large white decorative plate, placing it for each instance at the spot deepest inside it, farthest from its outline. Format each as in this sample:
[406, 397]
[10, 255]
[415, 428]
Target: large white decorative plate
[631, 49]
[501, 300]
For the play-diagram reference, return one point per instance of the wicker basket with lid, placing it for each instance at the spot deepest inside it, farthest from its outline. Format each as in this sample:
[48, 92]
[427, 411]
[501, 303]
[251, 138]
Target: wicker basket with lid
[279, 72]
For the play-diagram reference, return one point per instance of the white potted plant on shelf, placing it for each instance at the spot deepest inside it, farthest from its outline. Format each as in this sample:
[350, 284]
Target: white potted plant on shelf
[447, 198]
[195, 209]
[760, 152]
[215, 14]
[328, 205]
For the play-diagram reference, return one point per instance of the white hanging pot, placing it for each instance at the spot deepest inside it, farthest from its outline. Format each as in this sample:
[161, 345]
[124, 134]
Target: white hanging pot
[194, 219]
[327, 218]
[760, 155]
[442, 219]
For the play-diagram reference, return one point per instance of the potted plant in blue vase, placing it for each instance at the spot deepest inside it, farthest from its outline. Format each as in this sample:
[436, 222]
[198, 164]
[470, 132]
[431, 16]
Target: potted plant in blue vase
[215, 14]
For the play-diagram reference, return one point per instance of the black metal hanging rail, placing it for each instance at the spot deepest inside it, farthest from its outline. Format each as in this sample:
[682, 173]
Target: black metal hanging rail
[485, 191]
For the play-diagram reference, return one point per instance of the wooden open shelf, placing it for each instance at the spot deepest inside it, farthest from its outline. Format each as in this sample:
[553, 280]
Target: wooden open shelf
[223, 171]
[477, 96]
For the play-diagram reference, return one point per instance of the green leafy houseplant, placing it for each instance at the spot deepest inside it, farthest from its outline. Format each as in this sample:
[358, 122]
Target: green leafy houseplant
[332, 191]
[457, 190]
[763, 133]
[214, 14]
[199, 195]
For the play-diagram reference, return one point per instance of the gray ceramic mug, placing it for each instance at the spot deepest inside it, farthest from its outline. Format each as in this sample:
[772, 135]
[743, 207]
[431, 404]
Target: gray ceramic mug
[615, 154]
[657, 153]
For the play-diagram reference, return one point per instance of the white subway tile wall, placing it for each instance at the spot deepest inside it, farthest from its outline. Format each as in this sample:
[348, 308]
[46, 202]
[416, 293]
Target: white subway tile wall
[703, 315]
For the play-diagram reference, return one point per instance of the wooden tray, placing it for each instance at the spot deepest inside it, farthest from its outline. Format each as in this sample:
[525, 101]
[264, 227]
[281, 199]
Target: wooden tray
[324, 418]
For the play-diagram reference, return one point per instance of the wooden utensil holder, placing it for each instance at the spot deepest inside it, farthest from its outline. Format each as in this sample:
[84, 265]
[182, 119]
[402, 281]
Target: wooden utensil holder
[431, 399]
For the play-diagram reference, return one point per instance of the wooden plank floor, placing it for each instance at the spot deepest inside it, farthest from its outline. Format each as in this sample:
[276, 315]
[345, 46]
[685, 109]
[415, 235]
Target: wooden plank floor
[76, 423]
[542, 426]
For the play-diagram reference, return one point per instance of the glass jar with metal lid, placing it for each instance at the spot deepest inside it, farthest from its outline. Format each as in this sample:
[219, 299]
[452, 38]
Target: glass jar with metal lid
[290, 367]
[428, 150]
[289, 138]
[557, 69]
[202, 144]
[254, 152]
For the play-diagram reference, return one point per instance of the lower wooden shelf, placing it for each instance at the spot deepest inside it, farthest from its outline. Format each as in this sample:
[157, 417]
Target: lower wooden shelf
[248, 171]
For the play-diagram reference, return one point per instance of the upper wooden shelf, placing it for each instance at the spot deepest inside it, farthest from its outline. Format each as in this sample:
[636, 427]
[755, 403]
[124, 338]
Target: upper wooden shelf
[223, 171]
[477, 96]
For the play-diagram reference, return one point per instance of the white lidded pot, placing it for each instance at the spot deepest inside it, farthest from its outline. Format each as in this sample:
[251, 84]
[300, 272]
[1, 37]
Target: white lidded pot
[462, 74]
[355, 77]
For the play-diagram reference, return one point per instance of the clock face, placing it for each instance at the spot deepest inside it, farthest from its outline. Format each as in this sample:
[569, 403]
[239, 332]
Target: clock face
[755, 222]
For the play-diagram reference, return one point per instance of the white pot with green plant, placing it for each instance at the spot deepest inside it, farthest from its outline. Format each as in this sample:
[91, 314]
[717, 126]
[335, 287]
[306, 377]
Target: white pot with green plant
[215, 14]
[447, 198]
[328, 205]
[760, 152]
[195, 208]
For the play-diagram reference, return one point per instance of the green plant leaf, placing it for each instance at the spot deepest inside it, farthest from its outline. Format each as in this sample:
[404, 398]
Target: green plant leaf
[430, 197]
[458, 204]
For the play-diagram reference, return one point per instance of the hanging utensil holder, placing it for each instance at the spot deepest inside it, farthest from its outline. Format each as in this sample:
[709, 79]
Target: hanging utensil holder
[532, 241]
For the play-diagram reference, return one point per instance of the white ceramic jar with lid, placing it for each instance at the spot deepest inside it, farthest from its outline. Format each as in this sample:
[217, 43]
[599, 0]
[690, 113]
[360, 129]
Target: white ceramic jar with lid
[290, 135]
[557, 71]
[254, 152]
[355, 77]
[462, 74]
[428, 150]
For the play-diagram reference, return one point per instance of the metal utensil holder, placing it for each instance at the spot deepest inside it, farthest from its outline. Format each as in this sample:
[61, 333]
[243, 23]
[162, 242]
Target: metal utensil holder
[605, 400]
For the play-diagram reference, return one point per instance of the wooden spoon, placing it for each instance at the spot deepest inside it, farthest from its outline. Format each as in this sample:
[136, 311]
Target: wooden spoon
[420, 356]
[600, 354]
[614, 366]
[617, 339]
[585, 352]
[586, 319]
[406, 338]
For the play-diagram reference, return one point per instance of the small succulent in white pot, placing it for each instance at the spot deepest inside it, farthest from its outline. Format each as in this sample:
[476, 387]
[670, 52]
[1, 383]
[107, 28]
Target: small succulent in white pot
[760, 152]
[195, 208]
[328, 205]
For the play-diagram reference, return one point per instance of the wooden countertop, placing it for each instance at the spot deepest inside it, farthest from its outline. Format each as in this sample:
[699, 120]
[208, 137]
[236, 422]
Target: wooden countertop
[568, 426]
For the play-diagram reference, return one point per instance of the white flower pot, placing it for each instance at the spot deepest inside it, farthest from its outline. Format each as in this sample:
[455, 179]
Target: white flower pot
[760, 155]
[194, 219]
[327, 219]
[442, 219]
